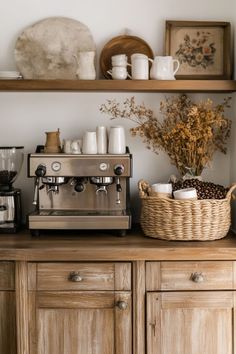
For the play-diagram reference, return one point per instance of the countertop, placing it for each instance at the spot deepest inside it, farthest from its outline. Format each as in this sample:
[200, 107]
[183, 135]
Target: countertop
[105, 246]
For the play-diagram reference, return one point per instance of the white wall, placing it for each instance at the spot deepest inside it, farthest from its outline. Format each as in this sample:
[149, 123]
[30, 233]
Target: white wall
[26, 116]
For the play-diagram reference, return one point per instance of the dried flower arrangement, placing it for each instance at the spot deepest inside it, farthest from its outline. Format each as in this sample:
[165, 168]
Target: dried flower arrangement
[189, 132]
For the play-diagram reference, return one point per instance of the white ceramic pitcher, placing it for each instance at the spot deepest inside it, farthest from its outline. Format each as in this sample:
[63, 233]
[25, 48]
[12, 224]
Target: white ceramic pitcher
[86, 67]
[164, 68]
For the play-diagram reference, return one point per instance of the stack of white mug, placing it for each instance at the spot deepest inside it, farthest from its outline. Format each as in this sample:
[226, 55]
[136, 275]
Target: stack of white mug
[139, 67]
[98, 142]
[119, 67]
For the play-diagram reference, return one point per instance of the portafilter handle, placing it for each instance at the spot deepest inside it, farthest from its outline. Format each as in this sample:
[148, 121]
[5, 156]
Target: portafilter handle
[39, 172]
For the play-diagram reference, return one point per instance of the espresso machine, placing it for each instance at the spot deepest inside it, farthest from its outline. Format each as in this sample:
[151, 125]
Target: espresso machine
[11, 159]
[78, 192]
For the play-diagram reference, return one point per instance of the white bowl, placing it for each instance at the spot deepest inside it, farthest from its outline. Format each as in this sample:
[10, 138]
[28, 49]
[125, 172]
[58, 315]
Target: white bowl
[186, 193]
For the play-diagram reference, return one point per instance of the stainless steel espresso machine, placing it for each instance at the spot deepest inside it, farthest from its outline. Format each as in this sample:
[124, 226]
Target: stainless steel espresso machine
[77, 192]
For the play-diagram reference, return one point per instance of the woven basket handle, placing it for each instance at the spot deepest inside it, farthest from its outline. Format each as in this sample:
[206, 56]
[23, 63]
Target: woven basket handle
[228, 195]
[144, 188]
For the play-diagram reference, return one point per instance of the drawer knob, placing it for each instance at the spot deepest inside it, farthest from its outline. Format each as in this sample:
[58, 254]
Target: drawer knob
[75, 276]
[197, 277]
[122, 305]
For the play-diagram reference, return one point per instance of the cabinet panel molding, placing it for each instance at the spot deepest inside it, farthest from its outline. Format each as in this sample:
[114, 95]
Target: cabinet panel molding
[22, 315]
[123, 276]
[75, 299]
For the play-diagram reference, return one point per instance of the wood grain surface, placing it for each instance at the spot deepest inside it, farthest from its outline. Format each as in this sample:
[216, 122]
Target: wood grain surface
[105, 246]
[219, 86]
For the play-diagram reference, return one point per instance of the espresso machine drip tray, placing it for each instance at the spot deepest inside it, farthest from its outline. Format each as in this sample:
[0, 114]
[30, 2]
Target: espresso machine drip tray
[77, 219]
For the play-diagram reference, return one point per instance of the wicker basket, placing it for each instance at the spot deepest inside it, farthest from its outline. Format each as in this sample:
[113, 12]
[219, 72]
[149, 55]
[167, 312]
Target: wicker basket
[184, 220]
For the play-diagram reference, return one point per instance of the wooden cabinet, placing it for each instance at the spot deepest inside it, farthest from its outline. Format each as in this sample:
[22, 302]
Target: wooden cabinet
[7, 309]
[80, 308]
[184, 315]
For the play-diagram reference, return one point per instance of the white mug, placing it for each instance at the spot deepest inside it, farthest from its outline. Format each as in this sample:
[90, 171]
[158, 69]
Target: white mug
[89, 143]
[119, 60]
[186, 193]
[117, 143]
[163, 68]
[139, 66]
[118, 73]
[101, 139]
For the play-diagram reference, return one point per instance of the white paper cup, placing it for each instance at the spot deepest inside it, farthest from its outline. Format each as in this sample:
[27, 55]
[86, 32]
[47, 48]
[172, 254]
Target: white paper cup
[186, 193]
[117, 143]
[162, 190]
[102, 139]
[89, 143]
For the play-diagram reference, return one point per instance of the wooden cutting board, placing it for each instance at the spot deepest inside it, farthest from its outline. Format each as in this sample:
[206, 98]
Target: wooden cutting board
[122, 45]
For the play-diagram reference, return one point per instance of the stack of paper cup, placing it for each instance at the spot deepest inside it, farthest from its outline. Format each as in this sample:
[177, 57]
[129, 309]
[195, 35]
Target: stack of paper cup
[101, 139]
[117, 143]
[89, 143]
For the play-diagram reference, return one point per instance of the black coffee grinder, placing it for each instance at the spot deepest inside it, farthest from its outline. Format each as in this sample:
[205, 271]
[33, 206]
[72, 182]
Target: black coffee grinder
[11, 159]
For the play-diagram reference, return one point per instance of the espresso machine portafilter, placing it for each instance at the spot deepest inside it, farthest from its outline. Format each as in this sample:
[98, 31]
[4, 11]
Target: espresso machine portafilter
[78, 192]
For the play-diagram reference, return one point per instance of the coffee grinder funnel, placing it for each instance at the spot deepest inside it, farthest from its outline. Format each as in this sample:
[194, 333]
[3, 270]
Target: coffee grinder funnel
[11, 160]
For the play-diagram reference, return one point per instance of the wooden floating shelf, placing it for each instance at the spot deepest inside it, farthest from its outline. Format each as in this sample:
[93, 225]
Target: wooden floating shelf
[120, 85]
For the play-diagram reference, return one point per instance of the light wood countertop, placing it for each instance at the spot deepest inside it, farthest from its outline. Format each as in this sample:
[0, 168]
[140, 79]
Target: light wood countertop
[105, 246]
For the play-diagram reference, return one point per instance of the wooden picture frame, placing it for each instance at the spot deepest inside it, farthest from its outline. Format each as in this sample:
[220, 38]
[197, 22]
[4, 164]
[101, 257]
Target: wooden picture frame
[203, 48]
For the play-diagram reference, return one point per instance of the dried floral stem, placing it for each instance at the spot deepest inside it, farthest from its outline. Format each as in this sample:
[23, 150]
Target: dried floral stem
[189, 133]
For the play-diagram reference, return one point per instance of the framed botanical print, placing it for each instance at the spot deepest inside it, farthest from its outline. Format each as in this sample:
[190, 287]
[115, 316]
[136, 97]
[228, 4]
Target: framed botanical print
[203, 48]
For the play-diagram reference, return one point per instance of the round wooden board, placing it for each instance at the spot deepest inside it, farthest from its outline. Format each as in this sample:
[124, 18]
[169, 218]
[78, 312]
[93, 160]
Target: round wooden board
[122, 45]
[47, 49]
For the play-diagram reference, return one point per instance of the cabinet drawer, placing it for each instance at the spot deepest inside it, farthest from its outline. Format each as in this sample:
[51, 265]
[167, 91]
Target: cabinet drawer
[83, 276]
[7, 276]
[189, 275]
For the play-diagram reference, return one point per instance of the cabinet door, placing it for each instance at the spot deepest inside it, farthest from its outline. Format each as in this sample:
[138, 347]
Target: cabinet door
[80, 322]
[190, 322]
[7, 322]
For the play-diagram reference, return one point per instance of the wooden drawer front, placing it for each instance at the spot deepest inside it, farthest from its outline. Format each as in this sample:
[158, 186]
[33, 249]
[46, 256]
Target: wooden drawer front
[189, 275]
[7, 276]
[83, 276]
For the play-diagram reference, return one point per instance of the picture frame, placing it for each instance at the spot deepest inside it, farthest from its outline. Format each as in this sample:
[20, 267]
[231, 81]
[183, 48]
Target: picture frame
[203, 48]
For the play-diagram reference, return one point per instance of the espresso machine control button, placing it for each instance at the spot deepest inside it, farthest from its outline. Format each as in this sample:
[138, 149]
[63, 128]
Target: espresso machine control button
[56, 166]
[119, 170]
[40, 171]
[103, 166]
[79, 187]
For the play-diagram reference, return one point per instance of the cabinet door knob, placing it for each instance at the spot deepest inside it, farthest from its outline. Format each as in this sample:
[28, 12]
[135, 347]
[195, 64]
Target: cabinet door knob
[197, 277]
[75, 276]
[122, 305]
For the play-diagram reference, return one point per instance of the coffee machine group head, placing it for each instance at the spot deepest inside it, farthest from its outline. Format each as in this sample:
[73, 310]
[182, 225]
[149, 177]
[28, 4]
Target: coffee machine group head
[80, 191]
[11, 159]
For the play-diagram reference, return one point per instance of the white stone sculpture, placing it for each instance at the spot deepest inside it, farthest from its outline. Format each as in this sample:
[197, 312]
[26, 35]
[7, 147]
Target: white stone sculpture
[47, 49]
